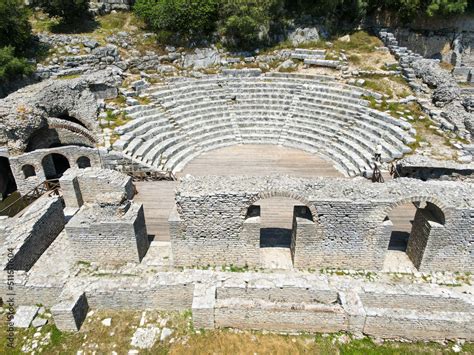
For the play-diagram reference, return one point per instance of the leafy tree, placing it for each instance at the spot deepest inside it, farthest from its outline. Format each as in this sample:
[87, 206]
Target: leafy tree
[67, 10]
[11, 66]
[247, 23]
[185, 18]
[15, 29]
[446, 7]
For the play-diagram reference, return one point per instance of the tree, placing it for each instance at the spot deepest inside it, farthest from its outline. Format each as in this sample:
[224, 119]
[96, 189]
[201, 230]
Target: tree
[184, 18]
[15, 29]
[67, 10]
[446, 7]
[247, 23]
[11, 66]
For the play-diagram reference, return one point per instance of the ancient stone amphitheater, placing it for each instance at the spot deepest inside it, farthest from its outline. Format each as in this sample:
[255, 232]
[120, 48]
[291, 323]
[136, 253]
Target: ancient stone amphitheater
[313, 113]
[277, 201]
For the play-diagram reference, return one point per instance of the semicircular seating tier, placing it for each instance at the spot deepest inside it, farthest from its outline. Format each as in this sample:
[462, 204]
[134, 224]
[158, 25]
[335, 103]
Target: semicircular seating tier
[314, 113]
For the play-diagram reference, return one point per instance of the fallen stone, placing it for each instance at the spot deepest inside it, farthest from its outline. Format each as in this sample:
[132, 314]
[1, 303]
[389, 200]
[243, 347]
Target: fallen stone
[39, 322]
[24, 316]
[145, 338]
[107, 322]
[165, 333]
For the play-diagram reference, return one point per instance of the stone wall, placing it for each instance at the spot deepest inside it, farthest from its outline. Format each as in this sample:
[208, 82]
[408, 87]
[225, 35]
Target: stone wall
[38, 160]
[95, 185]
[108, 234]
[348, 227]
[28, 236]
[424, 168]
[294, 304]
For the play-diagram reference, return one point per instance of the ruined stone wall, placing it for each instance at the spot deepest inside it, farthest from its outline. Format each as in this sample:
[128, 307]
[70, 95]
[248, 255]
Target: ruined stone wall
[349, 231]
[292, 304]
[35, 159]
[27, 237]
[95, 185]
[108, 234]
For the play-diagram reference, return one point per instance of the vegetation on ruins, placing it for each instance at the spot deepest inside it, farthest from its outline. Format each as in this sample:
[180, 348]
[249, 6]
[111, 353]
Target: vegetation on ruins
[249, 23]
[66, 10]
[178, 18]
[15, 39]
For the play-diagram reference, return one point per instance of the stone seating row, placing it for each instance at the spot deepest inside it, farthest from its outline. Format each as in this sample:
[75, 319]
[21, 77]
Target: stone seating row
[321, 116]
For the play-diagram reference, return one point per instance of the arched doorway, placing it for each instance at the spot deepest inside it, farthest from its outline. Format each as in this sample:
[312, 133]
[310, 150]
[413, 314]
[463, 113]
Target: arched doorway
[7, 181]
[54, 165]
[412, 224]
[278, 229]
[83, 162]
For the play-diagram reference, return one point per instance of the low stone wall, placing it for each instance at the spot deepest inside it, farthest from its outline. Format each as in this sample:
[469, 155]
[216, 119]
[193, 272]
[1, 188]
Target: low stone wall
[415, 313]
[348, 229]
[28, 236]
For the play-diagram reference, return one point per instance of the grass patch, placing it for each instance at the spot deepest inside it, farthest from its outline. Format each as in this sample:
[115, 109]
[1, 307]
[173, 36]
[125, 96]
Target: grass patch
[361, 42]
[115, 120]
[69, 77]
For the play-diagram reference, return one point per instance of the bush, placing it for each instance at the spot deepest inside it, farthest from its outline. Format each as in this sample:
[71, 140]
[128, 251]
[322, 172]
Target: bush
[12, 67]
[15, 29]
[182, 18]
[247, 23]
[67, 10]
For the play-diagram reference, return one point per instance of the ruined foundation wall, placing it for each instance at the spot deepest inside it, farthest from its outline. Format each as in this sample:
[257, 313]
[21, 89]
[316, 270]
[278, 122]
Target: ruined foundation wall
[209, 226]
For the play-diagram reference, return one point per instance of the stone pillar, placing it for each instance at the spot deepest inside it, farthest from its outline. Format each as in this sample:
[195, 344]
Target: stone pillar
[71, 191]
[204, 301]
[250, 237]
[70, 312]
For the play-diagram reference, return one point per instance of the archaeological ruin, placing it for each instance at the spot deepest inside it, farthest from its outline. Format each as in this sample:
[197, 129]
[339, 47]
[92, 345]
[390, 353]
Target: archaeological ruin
[275, 191]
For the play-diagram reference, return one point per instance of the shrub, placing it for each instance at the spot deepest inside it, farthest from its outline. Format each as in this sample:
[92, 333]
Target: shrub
[12, 67]
[67, 10]
[247, 23]
[15, 29]
[183, 18]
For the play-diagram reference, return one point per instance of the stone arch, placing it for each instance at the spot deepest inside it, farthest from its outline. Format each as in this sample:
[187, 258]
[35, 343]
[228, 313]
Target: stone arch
[28, 170]
[54, 165]
[83, 162]
[428, 225]
[428, 199]
[281, 193]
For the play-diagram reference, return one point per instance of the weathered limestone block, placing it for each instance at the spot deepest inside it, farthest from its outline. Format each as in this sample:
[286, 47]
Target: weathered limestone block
[204, 300]
[70, 312]
[352, 304]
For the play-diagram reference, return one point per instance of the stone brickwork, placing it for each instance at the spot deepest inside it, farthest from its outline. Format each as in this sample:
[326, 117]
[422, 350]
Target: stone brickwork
[108, 234]
[348, 226]
[70, 312]
[93, 185]
[28, 236]
[38, 159]
[295, 304]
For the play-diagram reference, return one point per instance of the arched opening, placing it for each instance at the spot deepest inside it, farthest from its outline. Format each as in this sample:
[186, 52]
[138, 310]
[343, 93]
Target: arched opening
[28, 171]
[411, 225]
[54, 165]
[278, 223]
[83, 162]
[7, 181]
[66, 117]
